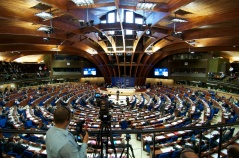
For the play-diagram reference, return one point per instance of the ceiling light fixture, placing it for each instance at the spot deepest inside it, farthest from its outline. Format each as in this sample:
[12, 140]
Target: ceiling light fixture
[146, 6]
[92, 51]
[179, 20]
[119, 54]
[47, 29]
[192, 42]
[83, 2]
[149, 50]
[44, 15]
[44, 28]
[55, 48]
[110, 54]
[148, 32]
[46, 39]
[189, 49]
[129, 54]
[175, 33]
[87, 22]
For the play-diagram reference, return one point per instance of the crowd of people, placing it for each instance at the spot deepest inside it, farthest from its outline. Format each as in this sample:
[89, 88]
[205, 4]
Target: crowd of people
[12, 71]
[66, 99]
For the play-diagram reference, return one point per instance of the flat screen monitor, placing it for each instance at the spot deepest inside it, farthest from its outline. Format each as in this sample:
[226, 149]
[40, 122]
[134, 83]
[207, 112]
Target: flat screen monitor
[161, 72]
[89, 71]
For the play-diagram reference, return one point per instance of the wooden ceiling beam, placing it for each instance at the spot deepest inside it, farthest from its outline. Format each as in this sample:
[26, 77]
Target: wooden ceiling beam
[210, 33]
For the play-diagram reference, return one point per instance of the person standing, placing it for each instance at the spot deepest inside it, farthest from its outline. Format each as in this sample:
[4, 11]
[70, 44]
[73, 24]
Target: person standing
[59, 141]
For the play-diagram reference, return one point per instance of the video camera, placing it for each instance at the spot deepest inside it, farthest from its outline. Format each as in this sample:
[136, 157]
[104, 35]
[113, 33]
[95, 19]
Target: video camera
[104, 111]
[128, 137]
[79, 126]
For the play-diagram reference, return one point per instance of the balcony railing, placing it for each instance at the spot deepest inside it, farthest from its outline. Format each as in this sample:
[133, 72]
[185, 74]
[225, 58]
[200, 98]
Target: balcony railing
[157, 141]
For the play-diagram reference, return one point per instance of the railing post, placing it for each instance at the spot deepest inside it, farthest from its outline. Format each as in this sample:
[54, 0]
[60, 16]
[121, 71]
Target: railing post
[153, 145]
[0, 148]
[220, 143]
[200, 142]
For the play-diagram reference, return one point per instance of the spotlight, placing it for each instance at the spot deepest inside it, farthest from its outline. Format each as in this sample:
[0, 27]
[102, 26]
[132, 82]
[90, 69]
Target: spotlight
[50, 31]
[81, 23]
[148, 32]
[144, 25]
[91, 22]
[46, 39]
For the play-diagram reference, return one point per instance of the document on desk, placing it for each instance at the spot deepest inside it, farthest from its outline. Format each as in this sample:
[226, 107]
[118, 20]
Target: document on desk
[170, 134]
[37, 149]
[214, 132]
[174, 123]
[209, 136]
[178, 146]
[181, 132]
[215, 155]
[117, 126]
[167, 149]
[44, 152]
[179, 121]
[160, 137]
[38, 135]
[237, 141]
[167, 125]
[224, 151]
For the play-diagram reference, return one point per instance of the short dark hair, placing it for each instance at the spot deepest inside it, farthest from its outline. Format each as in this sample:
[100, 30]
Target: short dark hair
[61, 114]
[233, 151]
[188, 153]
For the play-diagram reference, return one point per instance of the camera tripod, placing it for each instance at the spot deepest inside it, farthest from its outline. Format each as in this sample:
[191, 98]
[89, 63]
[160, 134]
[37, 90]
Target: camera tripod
[128, 146]
[105, 131]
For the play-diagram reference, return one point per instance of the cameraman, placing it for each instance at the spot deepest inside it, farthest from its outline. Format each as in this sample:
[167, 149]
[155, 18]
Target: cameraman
[59, 141]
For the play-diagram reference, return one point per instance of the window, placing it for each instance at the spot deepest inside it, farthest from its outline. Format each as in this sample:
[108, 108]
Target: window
[111, 32]
[138, 20]
[111, 17]
[103, 21]
[129, 16]
[129, 32]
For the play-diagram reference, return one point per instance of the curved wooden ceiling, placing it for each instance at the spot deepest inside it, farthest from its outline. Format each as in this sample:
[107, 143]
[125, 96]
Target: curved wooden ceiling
[213, 25]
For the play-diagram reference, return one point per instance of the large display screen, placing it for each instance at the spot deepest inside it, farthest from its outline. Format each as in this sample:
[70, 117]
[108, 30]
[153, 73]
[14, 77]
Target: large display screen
[161, 72]
[89, 71]
[122, 82]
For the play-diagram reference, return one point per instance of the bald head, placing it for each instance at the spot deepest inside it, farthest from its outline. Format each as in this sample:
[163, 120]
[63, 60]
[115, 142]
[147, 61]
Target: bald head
[61, 114]
[233, 151]
[188, 153]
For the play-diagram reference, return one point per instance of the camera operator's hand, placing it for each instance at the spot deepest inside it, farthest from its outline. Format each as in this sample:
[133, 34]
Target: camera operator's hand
[86, 137]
